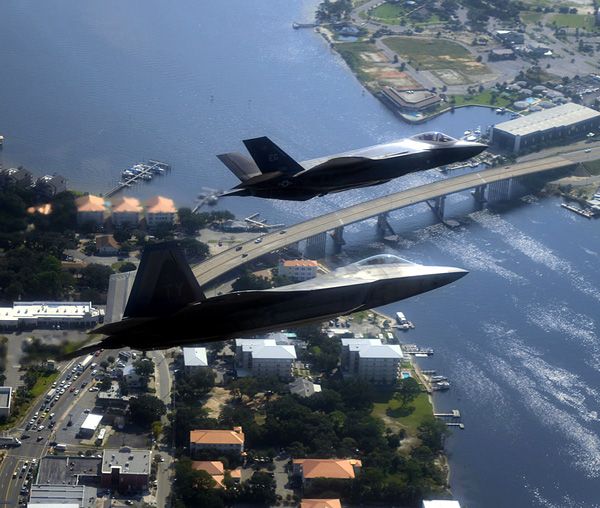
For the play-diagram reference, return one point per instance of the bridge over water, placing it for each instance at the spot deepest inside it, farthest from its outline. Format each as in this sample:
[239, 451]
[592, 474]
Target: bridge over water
[495, 180]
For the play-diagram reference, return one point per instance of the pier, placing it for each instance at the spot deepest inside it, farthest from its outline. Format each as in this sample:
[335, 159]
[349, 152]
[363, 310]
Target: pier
[453, 418]
[145, 172]
[588, 214]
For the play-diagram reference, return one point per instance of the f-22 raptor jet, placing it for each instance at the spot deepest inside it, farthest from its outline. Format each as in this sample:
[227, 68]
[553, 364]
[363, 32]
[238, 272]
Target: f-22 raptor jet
[274, 174]
[168, 308]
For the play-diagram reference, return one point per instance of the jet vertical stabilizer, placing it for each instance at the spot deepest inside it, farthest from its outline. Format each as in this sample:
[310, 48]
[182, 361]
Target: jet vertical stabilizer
[269, 157]
[164, 283]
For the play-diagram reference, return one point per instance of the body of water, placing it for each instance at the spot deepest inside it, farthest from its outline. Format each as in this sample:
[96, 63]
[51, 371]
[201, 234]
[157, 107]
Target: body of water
[87, 88]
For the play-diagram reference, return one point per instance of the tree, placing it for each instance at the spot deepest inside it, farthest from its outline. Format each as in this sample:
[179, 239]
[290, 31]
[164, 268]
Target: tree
[145, 409]
[407, 391]
[128, 266]
[105, 383]
[95, 276]
[193, 249]
[432, 433]
[157, 428]
[248, 281]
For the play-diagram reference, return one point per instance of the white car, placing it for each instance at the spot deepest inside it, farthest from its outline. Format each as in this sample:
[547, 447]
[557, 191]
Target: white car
[40, 428]
[77, 392]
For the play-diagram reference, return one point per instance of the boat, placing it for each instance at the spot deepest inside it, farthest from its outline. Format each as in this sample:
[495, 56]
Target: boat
[499, 110]
[441, 386]
[437, 379]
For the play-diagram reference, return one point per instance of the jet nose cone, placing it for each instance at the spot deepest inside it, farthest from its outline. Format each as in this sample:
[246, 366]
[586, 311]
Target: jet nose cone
[456, 273]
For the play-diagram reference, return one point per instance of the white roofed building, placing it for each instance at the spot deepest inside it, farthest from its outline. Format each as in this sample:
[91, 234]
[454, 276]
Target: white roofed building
[349, 355]
[5, 401]
[119, 287]
[441, 503]
[304, 387]
[89, 426]
[194, 358]
[380, 363]
[544, 128]
[264, 358]
[30, 315]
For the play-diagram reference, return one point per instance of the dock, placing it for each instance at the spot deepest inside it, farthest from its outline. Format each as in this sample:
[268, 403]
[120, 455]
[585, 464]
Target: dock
[588, 214]
[145, 171]
[453, 418]
[296, 26]
[413, 349]
[454, 414]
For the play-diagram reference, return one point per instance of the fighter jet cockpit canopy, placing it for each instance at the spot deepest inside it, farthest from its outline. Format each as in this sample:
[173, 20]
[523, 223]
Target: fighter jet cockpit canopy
[383, 259]
[434, 137]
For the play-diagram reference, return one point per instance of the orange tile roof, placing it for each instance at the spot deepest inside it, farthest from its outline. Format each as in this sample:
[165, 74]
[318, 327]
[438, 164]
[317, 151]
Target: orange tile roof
[159, 204]
[217, 437]
[211, 467]
[236, 473]
[90, 203]
[328, 468]
[106, 241]
[300, 262]
[41, 209]
[320, 503]
[125, 204]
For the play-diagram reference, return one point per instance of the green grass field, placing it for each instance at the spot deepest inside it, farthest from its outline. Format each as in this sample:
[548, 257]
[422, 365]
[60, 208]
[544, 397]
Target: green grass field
[530, 18]
[430, 54]
[422, 411]
[583, 21]
[42, 384]
[388, 13]
[484, 98]
[593, 167]
[350, 52]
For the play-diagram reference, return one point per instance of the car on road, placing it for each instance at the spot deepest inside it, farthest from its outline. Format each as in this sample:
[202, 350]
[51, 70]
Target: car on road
[244, 255]
[587, 150]
[238, 248]
[77, 392]
[39, 438]
[15, 473]
[258, 240]
[52, 415]
[86, 411]
[283, 232]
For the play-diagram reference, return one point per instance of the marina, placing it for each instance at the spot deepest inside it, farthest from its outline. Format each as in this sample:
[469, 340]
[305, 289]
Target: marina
[142, 171]
[588, 214]
[413, 349]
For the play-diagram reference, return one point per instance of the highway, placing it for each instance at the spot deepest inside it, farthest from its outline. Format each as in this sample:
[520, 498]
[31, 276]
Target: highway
[224, 262]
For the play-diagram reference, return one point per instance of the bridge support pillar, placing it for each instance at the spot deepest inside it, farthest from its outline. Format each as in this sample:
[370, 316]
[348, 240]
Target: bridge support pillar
[479, 194]
[438, 207]
[500, 190]
[338, 239]
[315, 246]
[383, 225]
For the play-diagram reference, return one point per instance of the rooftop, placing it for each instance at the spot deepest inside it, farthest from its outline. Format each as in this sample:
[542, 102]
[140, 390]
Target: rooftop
[299, 262]
[276, 352]
[90, 203]
[560, 116]
[160, 204]
[65, 470]
[320, 503]
[129, 461]
[328, 468]
[106, 241]
[195, 357]
[381, 351]
[91, 422]
[211, 467]
[304, 388]
[217, 436]
[360, 342]
[124, 204]
[35, 310]
[441, 503]
[5, 392]
[255, 342]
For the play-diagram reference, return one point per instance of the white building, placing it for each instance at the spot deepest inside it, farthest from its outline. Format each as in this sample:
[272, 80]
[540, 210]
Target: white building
[31, 315]
[298, 269]
[441, 503]
[264, 358]
[194, 358]
[5, 401]
[62, 496]
[371, 360]
[89, 426]
[160, 210]
[119, 287]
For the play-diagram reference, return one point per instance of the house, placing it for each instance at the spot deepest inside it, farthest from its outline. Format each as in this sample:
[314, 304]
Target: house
[90, 209]
[194, 358]
[126, 211]
[229, 441]
[309, 469]
[320, 503]
[160, 210]
[15, 177]
[106, 245]
[304, 388]
[217, 471]
[50, 185]
[298, 269]
[126, 470]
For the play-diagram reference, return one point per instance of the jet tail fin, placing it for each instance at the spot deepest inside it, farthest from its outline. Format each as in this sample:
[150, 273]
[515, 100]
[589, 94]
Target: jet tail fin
[269, 157]
[240, 166]
[164, 283]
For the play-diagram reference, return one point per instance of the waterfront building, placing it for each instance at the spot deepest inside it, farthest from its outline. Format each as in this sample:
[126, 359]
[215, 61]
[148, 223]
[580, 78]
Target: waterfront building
[556, 125]
[320, 503]
[194, 358]
[15, 177]
[125, 469]
[90, 208]
[50, 185]
[411, 100]
[5, 401]
[371, 360]
[106, 245]
[309, 469]
[350, 348]
[229, 441]
[160, 210]
[298, 269]
[49, 315]
[126, 211]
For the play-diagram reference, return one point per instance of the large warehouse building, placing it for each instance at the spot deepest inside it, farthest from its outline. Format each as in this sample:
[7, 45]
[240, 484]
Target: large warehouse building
[545, 127]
